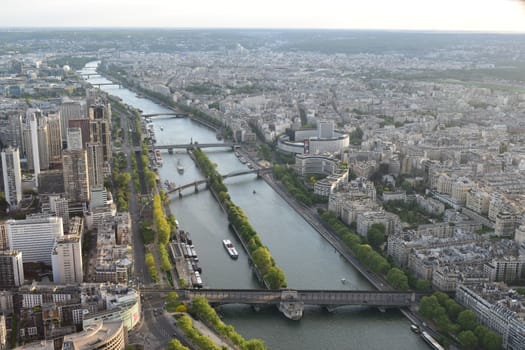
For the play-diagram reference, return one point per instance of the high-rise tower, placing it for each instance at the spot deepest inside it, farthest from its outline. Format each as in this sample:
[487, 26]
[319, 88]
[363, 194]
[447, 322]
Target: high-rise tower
[76, 176]
[12, 176]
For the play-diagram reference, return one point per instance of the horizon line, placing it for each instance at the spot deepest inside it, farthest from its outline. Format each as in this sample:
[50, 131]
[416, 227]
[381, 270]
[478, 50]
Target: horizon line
[413, 30]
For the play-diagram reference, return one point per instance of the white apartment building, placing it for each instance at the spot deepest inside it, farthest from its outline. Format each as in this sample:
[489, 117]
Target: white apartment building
[66, 260]
[35, 237]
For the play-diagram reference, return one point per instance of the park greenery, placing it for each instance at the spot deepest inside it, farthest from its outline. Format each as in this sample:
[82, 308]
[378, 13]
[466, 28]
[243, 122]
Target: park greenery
[173, 304]
[356, 136]
[272, 275]
[372, 259]
[408, 211]
[121, 180]
[152, 268]
[200, 341]
[459, 323]
[294, 185]
[175, 344]
[146, 230]
[163, 229]
[202, 310]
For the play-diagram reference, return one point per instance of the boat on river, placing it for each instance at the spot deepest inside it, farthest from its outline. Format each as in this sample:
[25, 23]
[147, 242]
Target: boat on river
[180, 167]
[232, 252]
[431, 341]
[415, 328]
[158, 158]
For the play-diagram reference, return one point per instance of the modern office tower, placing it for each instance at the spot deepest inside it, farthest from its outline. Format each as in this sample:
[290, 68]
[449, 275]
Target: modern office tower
[12, 176]
[54, 138]
[76, 176]
[11, 269]
[83, 124]
[15, 132]
[43, 143]
[67, 260]
[70, 110]
[35, 237]
[95, 164]
[99, 131]
[31, 144]
[74, 139]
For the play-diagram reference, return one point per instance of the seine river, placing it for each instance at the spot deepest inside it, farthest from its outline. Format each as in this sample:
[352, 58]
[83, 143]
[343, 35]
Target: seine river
[308, 261]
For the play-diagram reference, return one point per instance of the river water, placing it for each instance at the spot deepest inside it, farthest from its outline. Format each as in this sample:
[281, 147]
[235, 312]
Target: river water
[308, 261]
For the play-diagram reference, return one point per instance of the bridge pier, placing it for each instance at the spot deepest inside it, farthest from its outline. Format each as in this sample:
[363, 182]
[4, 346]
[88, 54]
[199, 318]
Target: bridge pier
[290, 305]
[196, 187]
[330, 309]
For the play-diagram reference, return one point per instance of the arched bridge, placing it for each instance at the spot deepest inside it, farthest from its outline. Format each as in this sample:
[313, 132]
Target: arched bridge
[232, 174]
[291, 302]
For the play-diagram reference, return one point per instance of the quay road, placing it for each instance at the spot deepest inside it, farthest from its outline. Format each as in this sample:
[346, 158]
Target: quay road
[139, 251]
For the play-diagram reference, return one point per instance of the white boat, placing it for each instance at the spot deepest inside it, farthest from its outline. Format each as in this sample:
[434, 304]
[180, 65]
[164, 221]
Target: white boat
[232, 252]
[180, 167]
[198, 280]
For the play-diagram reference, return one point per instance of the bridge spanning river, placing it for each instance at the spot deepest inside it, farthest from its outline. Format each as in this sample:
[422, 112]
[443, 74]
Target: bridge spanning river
[196, 183]
[195, 145]
[291, 302]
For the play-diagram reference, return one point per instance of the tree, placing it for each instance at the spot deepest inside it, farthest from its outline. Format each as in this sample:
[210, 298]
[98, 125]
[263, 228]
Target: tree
[174, 344]
[491, 341]
[397, 279]
[376, 235]
[422, 285]
[427, 305]
[275, 278]
[468, 339]
[453, 309]
[254, 344]
[467, 320]
[172, 297]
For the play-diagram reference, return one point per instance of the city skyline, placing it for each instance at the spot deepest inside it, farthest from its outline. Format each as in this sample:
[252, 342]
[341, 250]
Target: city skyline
[447, 15]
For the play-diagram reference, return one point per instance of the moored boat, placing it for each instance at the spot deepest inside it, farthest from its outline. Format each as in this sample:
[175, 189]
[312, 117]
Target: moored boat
[415, 328]
[232, 252]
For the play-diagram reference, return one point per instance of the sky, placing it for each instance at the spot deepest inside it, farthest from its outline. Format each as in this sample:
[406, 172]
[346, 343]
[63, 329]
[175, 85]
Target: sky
[448, 15]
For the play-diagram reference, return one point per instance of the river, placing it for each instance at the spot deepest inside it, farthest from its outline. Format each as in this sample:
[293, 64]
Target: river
[308, 261]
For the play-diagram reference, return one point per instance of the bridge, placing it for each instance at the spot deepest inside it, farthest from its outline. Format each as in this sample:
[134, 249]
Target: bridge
[194, 145]
[103, 84]
[172, 114]
[89, 75]
[196, 183]
[291, 302]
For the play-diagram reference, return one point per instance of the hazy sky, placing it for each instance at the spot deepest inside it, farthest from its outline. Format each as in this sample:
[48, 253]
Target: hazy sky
[472, 15]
